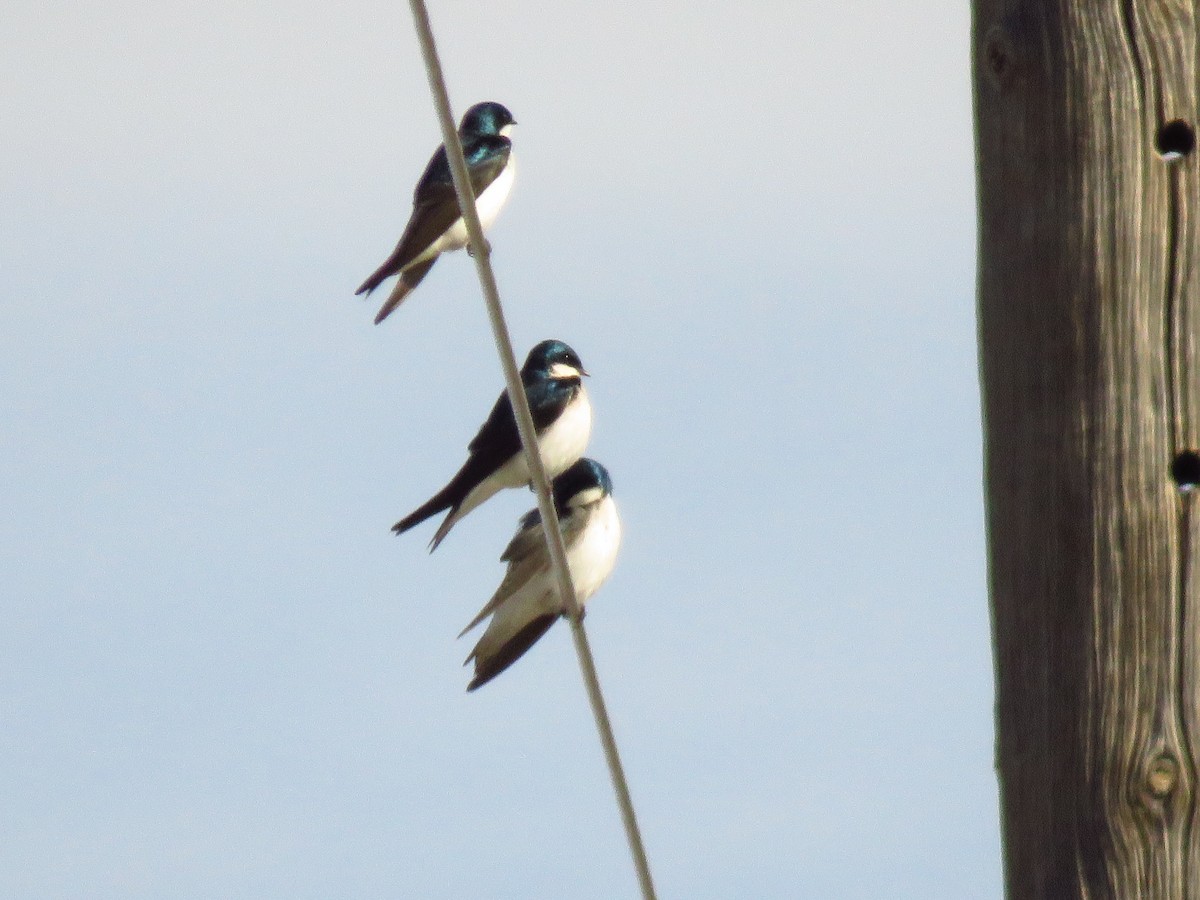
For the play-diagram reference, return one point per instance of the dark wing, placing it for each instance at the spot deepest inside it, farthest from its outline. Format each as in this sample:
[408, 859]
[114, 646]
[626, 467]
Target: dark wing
[486, 157]
[494, 444]
[527, 546]
[435, 205]
[404, 286]
[531, 519]
[527, 556]
[497, 438]
[530, 542]
[513, 649]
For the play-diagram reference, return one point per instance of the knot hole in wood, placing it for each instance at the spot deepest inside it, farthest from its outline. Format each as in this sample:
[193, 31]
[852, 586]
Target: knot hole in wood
[1175, 140]
[1162, 776]
[1185, 470]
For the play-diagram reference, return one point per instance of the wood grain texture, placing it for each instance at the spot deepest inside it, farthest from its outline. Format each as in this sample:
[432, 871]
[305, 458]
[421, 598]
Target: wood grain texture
[1088, 350]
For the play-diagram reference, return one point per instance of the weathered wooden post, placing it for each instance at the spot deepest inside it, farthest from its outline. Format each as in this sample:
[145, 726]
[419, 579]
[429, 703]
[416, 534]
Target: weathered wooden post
[1089, 325]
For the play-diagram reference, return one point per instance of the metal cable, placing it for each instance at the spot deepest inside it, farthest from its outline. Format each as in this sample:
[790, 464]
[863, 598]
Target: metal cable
[524, 418]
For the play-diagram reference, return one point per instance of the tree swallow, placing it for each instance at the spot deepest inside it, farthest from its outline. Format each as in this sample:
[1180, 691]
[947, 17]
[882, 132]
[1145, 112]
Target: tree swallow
[527, 602]
[436, 225]
[553, 380]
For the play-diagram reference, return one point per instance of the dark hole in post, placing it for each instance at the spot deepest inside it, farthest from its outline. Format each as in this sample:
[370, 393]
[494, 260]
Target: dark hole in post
[1175, 139]
[1185, 469]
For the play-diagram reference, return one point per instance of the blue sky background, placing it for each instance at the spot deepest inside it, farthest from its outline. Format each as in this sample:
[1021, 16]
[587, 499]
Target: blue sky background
[221, 674]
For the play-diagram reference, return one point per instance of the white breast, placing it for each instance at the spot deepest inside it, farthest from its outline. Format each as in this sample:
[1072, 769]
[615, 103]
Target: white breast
[593, 556]
[487, 204]
[566, 439]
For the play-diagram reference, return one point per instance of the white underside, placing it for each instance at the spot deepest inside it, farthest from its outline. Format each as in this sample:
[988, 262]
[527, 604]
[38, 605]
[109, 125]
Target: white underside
[560, 447]
[591, 558]
[488, 205]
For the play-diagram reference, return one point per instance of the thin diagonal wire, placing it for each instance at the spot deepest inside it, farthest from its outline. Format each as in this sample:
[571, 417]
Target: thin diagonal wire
[525, 426]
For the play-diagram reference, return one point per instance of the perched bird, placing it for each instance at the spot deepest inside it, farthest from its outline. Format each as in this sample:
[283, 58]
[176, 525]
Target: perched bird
[527, 602]
[562, 414]
[436, 225]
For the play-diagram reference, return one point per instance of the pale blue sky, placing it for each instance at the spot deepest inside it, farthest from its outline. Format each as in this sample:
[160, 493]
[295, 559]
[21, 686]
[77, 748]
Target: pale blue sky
[223, 676]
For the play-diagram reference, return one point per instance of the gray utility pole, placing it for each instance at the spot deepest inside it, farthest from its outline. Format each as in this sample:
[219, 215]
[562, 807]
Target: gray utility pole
[1089, 328]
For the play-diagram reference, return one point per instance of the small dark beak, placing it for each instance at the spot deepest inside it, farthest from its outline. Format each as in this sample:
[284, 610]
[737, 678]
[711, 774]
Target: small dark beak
[583, 371]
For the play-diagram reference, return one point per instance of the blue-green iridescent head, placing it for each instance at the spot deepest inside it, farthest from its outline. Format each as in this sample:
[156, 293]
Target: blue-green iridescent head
[585, 475]
[552, 359]
[486, 118]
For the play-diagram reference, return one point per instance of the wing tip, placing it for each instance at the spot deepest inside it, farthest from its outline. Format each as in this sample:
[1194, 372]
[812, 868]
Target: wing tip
[487, 668]
[409, 278]
[479, 681]
[386, 310]
[431, 507]
[444, 529]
